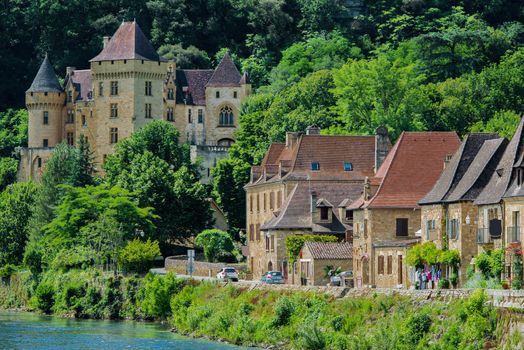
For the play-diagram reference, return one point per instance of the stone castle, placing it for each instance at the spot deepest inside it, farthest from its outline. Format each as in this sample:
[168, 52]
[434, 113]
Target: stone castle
[127, 86]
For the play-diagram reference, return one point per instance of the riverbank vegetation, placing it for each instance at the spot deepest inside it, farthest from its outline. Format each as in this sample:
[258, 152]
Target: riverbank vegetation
[287, 320]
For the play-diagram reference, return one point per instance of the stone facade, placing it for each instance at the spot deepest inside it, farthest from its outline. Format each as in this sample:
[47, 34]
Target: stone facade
[127, 86]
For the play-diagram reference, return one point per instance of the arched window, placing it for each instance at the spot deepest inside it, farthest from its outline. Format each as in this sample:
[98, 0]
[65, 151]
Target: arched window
[226, 117]
[225, 142]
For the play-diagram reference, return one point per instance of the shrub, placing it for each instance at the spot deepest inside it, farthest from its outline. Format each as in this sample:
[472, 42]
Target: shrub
[217, 245]
[138, 256]
[310, 337]
[156, 293]
[283, 311]
[44, 297]
[78, 257]
[7, 270]
[417, 326]
[443, 283]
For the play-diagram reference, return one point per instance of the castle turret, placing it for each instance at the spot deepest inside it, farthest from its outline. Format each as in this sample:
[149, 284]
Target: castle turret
[45, 100]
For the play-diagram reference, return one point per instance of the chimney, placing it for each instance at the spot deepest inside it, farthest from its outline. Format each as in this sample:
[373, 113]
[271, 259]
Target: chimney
[291, 139]
[312, 130]
[447, 160]
[381, 146]
[106, 40]
[69, 70]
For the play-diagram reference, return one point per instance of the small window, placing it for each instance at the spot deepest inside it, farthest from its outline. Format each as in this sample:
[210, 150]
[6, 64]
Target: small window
[348, 166]
[113, 135]
[70, 116]
[315, 166]
[170, 114]
[217, 94]
[381, 264]
[70, 96]
[349, 215]
[101, 88]
[46, 118]
[170, 94]
[200, 116]
[235, 95]
[114, 110]
[70, 138]
[189, 116]
[324, 213]
[39, 160]
[148, 111]
[149, 88]
[45, 143]
[402, 227]
[84, 122]
[114, 88]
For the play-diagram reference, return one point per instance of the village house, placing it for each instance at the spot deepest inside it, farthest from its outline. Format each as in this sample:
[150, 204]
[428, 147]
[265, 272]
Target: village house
[449, 216]
[303, 187]
[127, 86]
[318, 258]
[386, 218]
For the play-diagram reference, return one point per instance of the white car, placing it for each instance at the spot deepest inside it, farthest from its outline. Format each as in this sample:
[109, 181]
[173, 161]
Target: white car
[228, 273]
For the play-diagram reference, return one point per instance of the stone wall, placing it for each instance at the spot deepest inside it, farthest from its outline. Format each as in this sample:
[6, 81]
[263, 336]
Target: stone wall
[178, 264]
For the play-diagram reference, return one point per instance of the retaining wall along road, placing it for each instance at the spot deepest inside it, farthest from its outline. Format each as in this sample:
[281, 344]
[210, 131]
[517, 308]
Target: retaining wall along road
[178, 264]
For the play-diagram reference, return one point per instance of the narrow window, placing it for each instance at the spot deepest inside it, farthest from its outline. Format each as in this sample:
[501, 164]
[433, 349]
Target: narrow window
[390, 264]
[70, 116]
[170, 94]
[402, 227]
[46, 118]
[45, 143]
[170, 114]
[272, 200]
[348, 166]
[315, 166]
[251, 232]
[148, 110]
[200, 116]
[70, 96]
[39, 162]
[324, 213]
[234, 94]
[149, 88]
[70, 139]
[113, 135]
[349, 215]
[381, 264]
[101, 88]
[114, 110]
[217, 94]
[257, 232]
[264, 202]
[84, 122]
[114, 88]
[226, 117]
[189, 116]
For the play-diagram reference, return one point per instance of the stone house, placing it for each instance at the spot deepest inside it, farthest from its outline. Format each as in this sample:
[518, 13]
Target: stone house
[127, 86]
[386, 217]
[449, 216]
[303, 187]
[316, 257]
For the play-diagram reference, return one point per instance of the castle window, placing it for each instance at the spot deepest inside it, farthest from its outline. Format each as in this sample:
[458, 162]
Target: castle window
[217, 94]
[101, 88]
[315, 166]
[114, 88]
[148, 110]
[39, 160]
[226, 117]
[348, 166]
[380, 264]
[46, 118]
[70, 96]
[170, 94]
[200, 116]
[114, 110]
[84, 122]
[45, 143]
[189, 116]
[113, 135]
[70, 138]
[235, 94]
[170, 115]
[149, 88]
[390, 264]
[70, 116]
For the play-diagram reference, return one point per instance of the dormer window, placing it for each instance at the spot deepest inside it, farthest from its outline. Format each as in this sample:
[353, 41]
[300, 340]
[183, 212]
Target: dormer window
[315, 166]
[348, 166]
[349, 215]
[70, 96]
[324, 213]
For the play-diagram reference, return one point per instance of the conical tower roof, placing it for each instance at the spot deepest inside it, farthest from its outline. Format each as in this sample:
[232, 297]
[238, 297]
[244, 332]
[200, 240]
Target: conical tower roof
[45, 80]
[226, 73]
[128, 43]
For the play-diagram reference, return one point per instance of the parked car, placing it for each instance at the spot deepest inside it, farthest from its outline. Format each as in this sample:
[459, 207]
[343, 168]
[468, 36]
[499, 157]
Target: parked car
[272, 277]
[228, 274]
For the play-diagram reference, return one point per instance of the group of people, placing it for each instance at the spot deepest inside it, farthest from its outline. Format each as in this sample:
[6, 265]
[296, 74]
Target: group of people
[427, 277]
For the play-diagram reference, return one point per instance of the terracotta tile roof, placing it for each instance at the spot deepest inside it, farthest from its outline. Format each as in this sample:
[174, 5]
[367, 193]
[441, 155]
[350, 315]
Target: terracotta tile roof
[273, 153]
[330, 250]
[194, 81]
[128, 43]
[82, 81]
[417, 160]
[45, 80]
[479, 172]
[226, 73]
[499, 183]
[457, 167]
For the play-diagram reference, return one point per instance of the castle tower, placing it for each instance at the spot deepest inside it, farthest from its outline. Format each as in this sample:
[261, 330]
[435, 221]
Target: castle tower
[128, 87]
[45, 101]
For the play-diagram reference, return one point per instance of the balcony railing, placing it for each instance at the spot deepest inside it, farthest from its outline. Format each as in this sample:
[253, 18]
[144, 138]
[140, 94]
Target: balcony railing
[513, 234]
[483, 236]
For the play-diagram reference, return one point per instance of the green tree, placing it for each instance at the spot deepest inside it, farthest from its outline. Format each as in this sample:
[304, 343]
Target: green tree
[217, 245]
[138, 256]
[85, 168]
[503, 123]
[13, 131]
[16, 204]
[185, 58]
[8, 171]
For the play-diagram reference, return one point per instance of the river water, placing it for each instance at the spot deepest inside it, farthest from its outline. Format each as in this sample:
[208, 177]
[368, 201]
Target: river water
[36, 332]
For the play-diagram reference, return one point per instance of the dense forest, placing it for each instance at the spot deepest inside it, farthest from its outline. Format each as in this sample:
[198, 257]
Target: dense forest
[347, 66]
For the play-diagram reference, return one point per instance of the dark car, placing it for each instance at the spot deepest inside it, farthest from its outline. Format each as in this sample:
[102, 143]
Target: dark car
[272, 277]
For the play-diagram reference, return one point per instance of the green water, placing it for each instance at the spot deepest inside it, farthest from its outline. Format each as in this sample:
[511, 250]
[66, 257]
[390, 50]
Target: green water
[35, 332]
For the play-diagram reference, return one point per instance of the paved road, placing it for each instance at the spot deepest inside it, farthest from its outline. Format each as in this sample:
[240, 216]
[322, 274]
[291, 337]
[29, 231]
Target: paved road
[162, 271]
